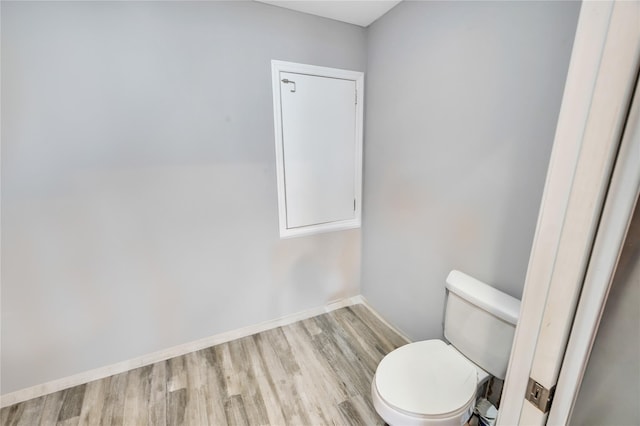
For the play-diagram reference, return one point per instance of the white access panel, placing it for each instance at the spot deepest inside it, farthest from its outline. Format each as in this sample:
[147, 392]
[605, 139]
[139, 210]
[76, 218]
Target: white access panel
[318, 148]
[318, 128]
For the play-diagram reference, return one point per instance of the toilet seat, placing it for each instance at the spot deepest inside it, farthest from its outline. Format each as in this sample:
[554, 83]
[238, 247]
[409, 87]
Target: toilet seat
[425, 383]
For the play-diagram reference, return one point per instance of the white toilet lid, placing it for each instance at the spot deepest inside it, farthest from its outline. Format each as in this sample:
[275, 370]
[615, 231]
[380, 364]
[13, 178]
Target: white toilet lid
[427, 378]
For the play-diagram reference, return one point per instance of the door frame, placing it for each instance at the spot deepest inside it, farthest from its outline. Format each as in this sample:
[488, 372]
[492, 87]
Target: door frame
[599, 87]
[612, 231]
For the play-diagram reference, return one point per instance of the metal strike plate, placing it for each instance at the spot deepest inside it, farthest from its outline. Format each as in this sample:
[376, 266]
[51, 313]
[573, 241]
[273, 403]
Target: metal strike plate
[539, 396]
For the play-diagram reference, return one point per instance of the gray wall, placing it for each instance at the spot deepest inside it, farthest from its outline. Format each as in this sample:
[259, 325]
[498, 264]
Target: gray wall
[462, 100]
[610, 389]
[139, 206]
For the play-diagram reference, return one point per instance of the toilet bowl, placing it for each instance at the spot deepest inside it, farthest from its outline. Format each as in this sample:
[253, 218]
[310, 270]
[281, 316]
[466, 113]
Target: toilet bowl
[408, 391]
[433, 383]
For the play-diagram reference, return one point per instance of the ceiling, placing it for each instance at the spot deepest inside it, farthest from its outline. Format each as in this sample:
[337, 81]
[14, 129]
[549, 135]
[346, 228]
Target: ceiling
[357, 12]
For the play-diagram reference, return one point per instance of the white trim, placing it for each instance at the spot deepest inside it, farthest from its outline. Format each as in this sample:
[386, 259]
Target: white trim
[316, 229]
[358, 78]
[120, 367]
[621, 200]
[599, 84]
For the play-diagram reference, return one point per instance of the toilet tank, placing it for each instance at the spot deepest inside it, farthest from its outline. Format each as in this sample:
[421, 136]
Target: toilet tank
[480, 322]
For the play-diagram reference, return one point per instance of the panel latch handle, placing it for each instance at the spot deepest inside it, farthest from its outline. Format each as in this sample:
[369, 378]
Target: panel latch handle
[287, 81]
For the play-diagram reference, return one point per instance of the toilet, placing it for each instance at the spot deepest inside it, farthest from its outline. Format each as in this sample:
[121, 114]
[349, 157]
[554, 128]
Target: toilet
[435, 383]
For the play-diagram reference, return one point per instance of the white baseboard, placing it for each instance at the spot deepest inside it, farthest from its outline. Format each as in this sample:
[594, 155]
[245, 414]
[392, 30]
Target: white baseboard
[120, 367]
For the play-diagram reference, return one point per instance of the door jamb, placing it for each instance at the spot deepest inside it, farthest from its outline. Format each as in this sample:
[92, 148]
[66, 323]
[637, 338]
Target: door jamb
[616, 218]
[594, 54]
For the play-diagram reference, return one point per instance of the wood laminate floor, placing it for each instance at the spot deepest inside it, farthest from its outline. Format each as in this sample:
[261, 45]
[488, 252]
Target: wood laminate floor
[314, 372]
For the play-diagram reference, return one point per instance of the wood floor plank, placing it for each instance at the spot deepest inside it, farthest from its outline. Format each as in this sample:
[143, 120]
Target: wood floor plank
[113, 408]
[230, 380]
[316, 368]
[282, 347]
[68, 422]
[318, 409]
[214, 389]
[363, 405]
[264, 382]
[195, 410]
[157, 407]
[137, 397]
[312, 327]
[349, 414]
[94, 399]
[176, 405]
[253, 393]
[281, 381]
[176, 374]
[32, 413]
[4, 414]
[314, 372]
[361, 339]
[352, 378]
[72, 401]
[363, 314]
[235, 411]
[51, 408]
[14, 414]
[317, 386]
